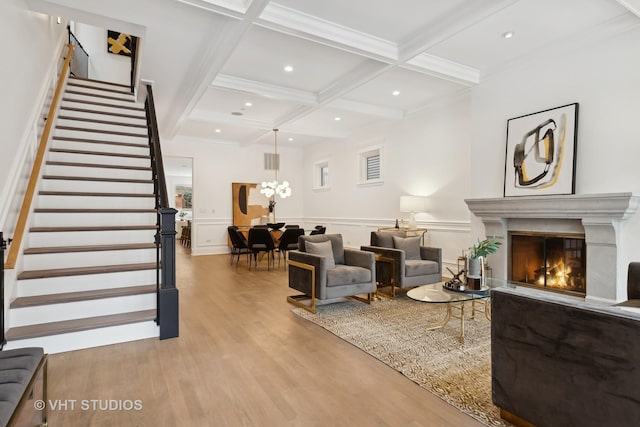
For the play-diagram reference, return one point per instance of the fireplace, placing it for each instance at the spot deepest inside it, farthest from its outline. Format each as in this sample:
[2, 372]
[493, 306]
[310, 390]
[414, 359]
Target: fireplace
[552, 261]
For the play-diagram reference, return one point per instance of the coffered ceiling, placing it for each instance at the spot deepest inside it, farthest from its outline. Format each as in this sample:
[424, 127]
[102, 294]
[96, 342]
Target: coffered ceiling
[218, 66]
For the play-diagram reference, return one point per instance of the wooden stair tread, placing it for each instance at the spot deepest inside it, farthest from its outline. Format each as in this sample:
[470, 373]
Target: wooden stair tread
[99, 81]
[98, 179]
[94, 228]
[106, 113]
[93, 210]
[92, 248]
[81, 271]
[99, 141]
[77, 325]
[108, 132]
[99, 153]
[77, 84]
[102, 104]
[103, 122]
[66, 297]
[95, 95]
[93, 194]
[98, 165]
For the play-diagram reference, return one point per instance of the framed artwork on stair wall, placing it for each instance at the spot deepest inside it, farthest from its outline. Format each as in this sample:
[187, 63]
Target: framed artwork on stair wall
[541, 152]
[119, 43]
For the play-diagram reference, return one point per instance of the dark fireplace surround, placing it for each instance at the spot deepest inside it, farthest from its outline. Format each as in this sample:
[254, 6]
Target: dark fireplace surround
[608, 222]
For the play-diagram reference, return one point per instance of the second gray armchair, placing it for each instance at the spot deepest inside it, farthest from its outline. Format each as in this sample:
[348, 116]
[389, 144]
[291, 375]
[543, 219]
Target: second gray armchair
[413, 264]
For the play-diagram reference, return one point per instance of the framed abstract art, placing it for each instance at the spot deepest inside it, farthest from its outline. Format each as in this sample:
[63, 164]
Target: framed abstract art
[541, 152]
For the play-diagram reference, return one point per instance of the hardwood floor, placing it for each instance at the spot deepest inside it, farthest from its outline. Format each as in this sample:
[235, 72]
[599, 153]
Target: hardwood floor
[242, 359]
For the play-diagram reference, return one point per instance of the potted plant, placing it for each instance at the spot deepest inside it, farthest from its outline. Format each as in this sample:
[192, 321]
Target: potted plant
[479, 251]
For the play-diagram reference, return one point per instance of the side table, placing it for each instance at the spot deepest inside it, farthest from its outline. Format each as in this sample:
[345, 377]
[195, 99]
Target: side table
[385, 276]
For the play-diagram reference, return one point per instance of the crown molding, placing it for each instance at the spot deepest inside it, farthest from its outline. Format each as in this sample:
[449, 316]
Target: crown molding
[294, 22]
[265, 90]
[632, 6]
[444, 69]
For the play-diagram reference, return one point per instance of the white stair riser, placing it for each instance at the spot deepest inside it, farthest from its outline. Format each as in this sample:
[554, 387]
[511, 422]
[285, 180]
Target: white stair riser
[98, 159]
[69, 101]
[97, 186]
[81, 309]
[93, 114]
[85, 238]
[98, 84]
[92, 219]
[92, 338]
[90, 98]
[143, 150]
[99, 91]
[95, 202]
[87, 259]
[116, 127]
[97, 172]
[89, 282]
[140, 137]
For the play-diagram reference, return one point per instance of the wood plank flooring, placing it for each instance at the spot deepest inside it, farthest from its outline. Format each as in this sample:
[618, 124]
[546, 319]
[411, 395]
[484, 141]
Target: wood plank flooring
[242, 359]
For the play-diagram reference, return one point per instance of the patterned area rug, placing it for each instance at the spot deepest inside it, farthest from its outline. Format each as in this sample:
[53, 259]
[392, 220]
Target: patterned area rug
[394, 332]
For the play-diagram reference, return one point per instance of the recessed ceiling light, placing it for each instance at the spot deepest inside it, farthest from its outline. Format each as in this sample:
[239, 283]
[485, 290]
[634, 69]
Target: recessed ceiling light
[288, 68]
[290, 139]
[218, 131]
[337, 119]
[248, 104]
[395, 93]
[508, 34]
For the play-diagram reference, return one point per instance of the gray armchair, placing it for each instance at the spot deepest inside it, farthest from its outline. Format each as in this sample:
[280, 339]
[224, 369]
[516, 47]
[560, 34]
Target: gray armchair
[323, 269]
[413, 264]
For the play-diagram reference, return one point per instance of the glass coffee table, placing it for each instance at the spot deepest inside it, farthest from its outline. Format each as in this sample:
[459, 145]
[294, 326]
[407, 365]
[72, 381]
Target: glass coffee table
[455, 301]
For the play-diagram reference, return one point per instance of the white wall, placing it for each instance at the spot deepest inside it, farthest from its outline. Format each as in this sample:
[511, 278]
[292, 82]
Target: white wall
[215, 168]
[33, 43]
[427, 155]
[602, 77]
[102, 64]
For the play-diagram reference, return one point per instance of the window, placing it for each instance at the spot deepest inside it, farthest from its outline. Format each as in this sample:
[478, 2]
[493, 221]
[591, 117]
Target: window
[371, 166]
[321, 175]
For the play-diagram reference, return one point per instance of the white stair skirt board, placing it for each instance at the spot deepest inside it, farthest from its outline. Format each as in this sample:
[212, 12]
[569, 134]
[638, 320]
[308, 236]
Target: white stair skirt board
[88, 259]
[49, 285]
[91, 338]
[24, 316]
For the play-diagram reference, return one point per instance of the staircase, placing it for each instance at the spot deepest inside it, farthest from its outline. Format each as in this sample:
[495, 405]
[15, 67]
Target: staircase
[89, 263]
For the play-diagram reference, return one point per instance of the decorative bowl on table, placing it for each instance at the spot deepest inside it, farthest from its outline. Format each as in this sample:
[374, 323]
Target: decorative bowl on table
[275, 225]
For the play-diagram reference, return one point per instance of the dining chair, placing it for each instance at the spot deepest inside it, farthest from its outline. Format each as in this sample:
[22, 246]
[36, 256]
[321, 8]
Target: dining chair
[260, 240]
[288, 241]
[239, 244]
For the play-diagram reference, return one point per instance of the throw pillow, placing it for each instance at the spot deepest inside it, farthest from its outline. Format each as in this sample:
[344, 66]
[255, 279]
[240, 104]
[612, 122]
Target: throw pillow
[384, 239]
[410, 246]
[323, 249]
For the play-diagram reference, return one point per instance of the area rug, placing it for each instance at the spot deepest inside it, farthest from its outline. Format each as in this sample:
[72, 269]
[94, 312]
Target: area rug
[394, 332]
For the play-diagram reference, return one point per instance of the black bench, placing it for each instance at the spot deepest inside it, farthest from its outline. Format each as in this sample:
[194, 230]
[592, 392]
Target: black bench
[23, 381]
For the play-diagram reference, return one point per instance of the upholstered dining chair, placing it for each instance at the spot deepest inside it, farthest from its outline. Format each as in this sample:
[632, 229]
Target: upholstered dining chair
[322, 269]
[239, 244]
[288, 242]
[413, 264]
[260, 240]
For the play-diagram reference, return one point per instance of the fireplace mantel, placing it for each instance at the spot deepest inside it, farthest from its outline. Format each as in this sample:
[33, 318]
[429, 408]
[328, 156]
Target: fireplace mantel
[609, 222]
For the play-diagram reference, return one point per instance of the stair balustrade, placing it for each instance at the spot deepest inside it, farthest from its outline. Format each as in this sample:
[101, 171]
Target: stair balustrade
[166, 233]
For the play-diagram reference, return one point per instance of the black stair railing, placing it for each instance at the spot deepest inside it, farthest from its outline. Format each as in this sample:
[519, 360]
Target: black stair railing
[3, 246]
[167, 293]
[79, 58]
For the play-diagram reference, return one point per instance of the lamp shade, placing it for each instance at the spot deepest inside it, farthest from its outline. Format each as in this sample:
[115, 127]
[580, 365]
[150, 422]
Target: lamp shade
[412, 204]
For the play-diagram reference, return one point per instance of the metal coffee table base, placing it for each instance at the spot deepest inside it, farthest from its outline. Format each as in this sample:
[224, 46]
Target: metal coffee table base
[457, 309]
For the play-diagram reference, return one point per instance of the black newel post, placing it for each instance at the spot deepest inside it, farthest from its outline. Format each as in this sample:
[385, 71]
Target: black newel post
[168, 295]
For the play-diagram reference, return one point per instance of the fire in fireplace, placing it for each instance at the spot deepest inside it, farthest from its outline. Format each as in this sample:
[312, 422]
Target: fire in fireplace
[551, 261]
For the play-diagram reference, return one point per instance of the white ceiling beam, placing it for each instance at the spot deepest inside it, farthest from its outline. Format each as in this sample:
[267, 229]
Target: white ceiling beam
[632, 6]
[444, 69]
[296, 23]
[232, 9]
[360, 75]
[195, 84]
[265, 90]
